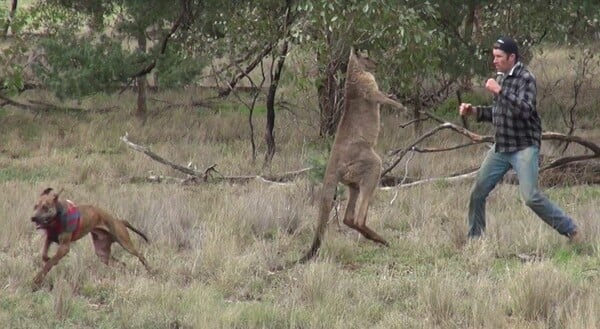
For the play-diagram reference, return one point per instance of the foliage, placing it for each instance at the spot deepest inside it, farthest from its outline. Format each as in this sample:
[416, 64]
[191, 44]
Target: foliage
[87, 49]
[448, 108]
[81, 66]
[424, 47]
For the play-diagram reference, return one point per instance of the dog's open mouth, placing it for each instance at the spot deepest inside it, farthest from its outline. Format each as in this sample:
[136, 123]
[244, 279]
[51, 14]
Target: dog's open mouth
[42, 224]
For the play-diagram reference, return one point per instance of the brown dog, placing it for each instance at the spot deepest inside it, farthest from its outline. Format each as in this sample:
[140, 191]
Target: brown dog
[65, 223]
[353, 160]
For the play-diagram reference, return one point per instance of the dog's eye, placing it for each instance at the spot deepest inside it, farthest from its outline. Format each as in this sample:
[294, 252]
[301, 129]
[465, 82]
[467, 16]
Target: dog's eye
[44, 208]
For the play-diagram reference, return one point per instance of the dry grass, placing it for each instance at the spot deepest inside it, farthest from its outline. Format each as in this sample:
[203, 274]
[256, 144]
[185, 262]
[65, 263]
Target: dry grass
[213, 245]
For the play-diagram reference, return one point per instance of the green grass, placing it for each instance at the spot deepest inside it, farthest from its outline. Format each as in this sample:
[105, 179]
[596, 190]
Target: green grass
[31, 175]
[214, 245]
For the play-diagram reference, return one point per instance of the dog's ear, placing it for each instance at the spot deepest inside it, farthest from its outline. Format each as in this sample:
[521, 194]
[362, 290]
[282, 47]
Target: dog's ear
[57, 194]
[47, 191]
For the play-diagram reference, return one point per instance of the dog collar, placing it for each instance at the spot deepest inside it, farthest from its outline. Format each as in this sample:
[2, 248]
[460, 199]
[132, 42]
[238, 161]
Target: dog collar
[61, 214]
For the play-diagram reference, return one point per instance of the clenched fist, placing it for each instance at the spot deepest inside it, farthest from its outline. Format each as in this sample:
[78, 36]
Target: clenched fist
[466, 109]
[493, 86]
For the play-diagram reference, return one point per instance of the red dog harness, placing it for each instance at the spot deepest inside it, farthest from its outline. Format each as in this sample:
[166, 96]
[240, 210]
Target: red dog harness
[67, 221]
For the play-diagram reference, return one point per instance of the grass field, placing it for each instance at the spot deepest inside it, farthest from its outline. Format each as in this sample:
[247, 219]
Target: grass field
[212, 245]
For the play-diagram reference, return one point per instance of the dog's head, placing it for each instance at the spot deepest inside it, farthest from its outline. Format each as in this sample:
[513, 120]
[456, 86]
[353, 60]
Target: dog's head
[46, 208]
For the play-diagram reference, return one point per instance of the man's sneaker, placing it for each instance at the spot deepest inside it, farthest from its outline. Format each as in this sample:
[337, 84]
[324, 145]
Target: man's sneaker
[575, 237]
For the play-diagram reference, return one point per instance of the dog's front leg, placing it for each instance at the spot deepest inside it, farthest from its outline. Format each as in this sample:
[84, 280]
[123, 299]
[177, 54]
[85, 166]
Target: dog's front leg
[45, 257]
[64, 244]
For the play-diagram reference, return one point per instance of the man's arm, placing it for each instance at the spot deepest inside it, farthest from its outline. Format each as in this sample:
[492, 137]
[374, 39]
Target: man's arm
[523, 101]
[484, 113]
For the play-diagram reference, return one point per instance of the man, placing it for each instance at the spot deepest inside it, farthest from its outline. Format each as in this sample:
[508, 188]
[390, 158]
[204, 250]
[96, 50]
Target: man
[517, 138]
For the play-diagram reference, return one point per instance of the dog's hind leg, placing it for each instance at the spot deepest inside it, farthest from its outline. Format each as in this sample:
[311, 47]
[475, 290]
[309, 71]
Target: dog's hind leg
[126, 243]
[102, 243]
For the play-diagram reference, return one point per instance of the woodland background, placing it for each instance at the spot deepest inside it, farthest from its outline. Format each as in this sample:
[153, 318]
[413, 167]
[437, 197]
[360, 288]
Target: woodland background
[239, 101]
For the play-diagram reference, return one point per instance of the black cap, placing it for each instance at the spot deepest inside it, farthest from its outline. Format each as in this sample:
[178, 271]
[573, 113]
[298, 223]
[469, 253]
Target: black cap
[507, 45]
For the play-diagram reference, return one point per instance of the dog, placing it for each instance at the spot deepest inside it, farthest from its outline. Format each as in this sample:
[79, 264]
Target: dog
[64, 223]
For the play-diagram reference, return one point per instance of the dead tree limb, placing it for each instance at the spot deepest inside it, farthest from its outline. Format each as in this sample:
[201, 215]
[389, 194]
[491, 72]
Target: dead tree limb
[450, 179]
[205, 175]
[477, 139]
[7, 101]
[401, 152]
[156, 157]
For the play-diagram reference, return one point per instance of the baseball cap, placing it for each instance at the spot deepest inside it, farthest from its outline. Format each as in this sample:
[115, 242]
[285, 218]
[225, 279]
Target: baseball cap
[507, 45]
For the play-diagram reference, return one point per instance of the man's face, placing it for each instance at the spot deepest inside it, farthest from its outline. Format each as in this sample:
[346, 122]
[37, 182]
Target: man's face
[503, 61]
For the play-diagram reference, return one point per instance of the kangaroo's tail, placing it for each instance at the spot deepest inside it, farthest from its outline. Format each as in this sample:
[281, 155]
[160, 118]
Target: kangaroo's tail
[327, 196]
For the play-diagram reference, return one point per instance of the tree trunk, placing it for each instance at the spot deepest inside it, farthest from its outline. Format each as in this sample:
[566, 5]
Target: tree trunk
[331, 98]
[141, 81]
[9, 18]
[330, 88]
[418, 127]
[275, 77]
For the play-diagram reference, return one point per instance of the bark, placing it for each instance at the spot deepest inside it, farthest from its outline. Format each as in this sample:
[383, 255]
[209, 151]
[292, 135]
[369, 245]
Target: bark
[330, 93]
[142, 108]
[269, 135]
[275, 77]
[330, 90]
[10, 17]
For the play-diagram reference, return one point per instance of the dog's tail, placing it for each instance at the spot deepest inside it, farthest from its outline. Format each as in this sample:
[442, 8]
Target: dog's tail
[129, 226]
[327, 195]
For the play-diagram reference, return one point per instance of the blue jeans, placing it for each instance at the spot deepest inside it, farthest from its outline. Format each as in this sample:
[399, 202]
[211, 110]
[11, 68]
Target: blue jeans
[525, 163]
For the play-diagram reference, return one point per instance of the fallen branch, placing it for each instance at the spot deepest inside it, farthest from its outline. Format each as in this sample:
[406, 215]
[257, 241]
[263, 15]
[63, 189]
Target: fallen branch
[205, 175]
[451, 179]
[478, 139]
[8, 101]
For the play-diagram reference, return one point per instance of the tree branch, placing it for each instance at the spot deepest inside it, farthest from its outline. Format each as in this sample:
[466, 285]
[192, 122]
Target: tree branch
[204, 176]
[163, 47]
[477, 139]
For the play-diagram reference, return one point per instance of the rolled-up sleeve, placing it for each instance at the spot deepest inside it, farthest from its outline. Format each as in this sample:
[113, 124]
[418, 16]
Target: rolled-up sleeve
[484, 113]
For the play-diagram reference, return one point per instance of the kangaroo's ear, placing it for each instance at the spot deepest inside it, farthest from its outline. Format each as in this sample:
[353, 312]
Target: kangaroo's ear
[47, 191]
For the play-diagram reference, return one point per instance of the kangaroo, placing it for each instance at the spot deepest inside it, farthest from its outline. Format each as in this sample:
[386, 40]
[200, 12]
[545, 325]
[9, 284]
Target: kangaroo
[353, 160]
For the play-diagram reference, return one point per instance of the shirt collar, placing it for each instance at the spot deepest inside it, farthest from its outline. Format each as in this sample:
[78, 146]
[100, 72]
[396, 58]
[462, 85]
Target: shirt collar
[517, 64]
[512, 70]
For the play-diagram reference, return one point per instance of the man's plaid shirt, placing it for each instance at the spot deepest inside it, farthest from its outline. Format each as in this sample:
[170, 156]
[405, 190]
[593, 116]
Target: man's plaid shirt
[516, 121]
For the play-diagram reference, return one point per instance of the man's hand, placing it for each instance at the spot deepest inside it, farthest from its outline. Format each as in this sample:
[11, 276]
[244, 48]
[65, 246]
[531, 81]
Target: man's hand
[466, 109]
[493, 86]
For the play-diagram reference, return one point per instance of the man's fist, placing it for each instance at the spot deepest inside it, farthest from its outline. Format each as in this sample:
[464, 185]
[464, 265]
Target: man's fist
[492, 86]
[466, 109]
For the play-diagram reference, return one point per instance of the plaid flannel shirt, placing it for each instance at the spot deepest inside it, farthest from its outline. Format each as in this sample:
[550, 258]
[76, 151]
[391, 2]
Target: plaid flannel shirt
[513, 113]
